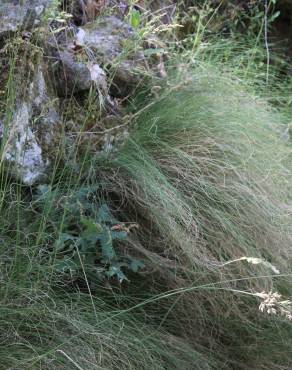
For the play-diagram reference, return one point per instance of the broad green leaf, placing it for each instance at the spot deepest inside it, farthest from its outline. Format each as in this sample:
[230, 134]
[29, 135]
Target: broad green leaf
[115, 270]
[275, 16]
[135, 18]
[136, 265]
[92, 231]
[106, 241]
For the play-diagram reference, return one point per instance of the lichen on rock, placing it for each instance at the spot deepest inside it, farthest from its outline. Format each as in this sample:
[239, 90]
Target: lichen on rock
[31, 133]
[16, 15]
[104, 44]
[21, 151]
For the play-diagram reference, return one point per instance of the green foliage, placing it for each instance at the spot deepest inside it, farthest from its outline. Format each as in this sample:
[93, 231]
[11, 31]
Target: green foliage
[207, 175]
[54, 13]
[206, 167]
[135, 17]
[87, 236]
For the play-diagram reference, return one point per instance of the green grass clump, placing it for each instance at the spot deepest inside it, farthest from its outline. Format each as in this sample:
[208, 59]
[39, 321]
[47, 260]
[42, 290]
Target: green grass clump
[44, 330]
[205, 174]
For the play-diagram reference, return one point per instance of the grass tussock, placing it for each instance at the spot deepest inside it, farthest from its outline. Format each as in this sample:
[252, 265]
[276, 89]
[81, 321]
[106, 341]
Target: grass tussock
[206, 165]
[205, 174]
[64, 332]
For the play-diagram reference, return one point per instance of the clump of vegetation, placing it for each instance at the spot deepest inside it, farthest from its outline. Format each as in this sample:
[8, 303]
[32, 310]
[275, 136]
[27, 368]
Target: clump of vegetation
[87, 234]
[202, 171]
[172, 252]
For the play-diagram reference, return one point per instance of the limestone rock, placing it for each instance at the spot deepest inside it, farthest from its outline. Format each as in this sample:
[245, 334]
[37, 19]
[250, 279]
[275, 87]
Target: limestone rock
[108, 39]
[22, 152]
[71, 76]
[18, 14]
[80, 55]
[30, 135]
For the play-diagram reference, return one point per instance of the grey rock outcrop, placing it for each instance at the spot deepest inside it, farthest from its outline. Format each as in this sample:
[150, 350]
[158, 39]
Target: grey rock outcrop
[30, 135]
[72, 76]
[56, 71]
[16, 14]
[81, 54]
